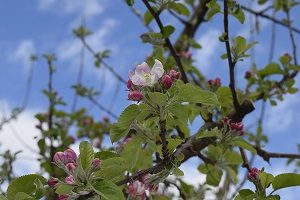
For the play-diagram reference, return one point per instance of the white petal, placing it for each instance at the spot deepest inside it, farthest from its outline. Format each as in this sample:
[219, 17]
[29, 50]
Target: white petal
[157, 69]
[138, 80]
[130, 74]
[142, 69]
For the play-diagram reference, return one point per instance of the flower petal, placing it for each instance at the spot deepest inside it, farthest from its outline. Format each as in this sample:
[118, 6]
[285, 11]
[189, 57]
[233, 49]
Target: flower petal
[142, 69]
[138, 80]
[157, 69]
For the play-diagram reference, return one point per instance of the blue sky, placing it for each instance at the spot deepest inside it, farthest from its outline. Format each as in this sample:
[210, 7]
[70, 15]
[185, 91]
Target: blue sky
[45, 26]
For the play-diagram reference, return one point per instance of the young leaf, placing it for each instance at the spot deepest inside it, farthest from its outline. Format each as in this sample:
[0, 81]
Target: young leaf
[121, 128]
[214, 8]
[179, 8]
[286, 180]
[167, 31]
[86, 155]
[108, 190]
[148, 17]
[23, 184]
[23, 196]
[265, 179]
[243, 144]
[64, 189]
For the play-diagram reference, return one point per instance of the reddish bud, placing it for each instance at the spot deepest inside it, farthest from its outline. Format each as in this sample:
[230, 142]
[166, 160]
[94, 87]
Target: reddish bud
[59, 158]
[71, 167]
[225, 120]
[248, 74]
[69, 179]
[96, 163]
[174, 74]
[253, 174]
[71, 156]
[52, 182]
[62, 197]
[166, 81]
[218, 82]
[130, 85]
[135, 95]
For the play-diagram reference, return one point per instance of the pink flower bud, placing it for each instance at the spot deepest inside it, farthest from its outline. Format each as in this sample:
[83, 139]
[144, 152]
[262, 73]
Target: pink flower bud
[52, 182]
[225, 120]
[70, 156]
[130, 85]
[135, 95]
[69, 179]
[218, 82]
[136, 188]
[174, 74]
[71, 167]
[166, 81]
[238, 127]
[96, 163]
[59, 158]
[62, 197]
[253, 174]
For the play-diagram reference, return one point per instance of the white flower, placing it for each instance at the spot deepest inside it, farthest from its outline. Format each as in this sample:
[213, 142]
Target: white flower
[145, 76]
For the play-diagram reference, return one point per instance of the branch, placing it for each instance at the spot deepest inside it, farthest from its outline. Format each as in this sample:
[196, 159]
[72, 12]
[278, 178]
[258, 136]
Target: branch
[246, 163]
[267, 155]
[162, 134]
[168, 42]
[262, 15]
[89, 48]
[292, 37]
[231, 63]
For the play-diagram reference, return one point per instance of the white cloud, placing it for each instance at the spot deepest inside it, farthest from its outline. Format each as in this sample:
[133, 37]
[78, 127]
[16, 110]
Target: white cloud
[281, 117]
[22, 52]
[86, 8]
[17, 133]
[209, 42]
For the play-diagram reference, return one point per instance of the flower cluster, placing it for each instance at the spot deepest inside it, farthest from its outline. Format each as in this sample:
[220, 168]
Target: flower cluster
[214, 84]
[138, 188]
[68, 161]
[144, 76]
[253, 174]
[236, 127]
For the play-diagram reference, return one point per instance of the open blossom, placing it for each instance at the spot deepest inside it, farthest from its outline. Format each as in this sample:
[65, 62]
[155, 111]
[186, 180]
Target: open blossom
[136, 188]
[145, 76]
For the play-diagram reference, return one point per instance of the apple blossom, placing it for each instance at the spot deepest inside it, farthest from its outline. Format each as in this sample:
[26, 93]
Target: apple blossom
[136, 188]
[166, 81]
[52, 182]
[145, 76]
[135, 95]
[253, 174]
[69, 179]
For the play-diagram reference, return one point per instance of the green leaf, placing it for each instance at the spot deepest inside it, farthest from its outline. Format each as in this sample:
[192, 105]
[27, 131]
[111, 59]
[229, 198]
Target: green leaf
[23, 196]
[232, 158]
[179, 8]
[286, 180]
[193, 94]
[2, 197]
[158, 98]
[214, 8]
[265, 179]
[64, 189]
[270, 69]
[130, 2]
[121, 128]
[108, 190]
[130, 149]
[167, 31]
[148, 17]
[86, 155]
[213, 174]
[245, 194]
[112, 168]
[243, 144]
[239, 15]
[208, 133]
[103, 155]
[23, 184]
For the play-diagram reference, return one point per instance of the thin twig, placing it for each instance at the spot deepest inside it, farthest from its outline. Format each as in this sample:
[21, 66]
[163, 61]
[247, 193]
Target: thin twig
[231, 63]
[168, 42]
[101, 107]
[261, 14]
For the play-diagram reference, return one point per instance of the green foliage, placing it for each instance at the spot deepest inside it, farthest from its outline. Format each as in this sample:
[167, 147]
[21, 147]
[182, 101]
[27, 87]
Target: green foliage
[286, 180]
[86, 155]
[108, 190]
[64, 189]
[26, 185]
[121, 128]
[179, 8]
